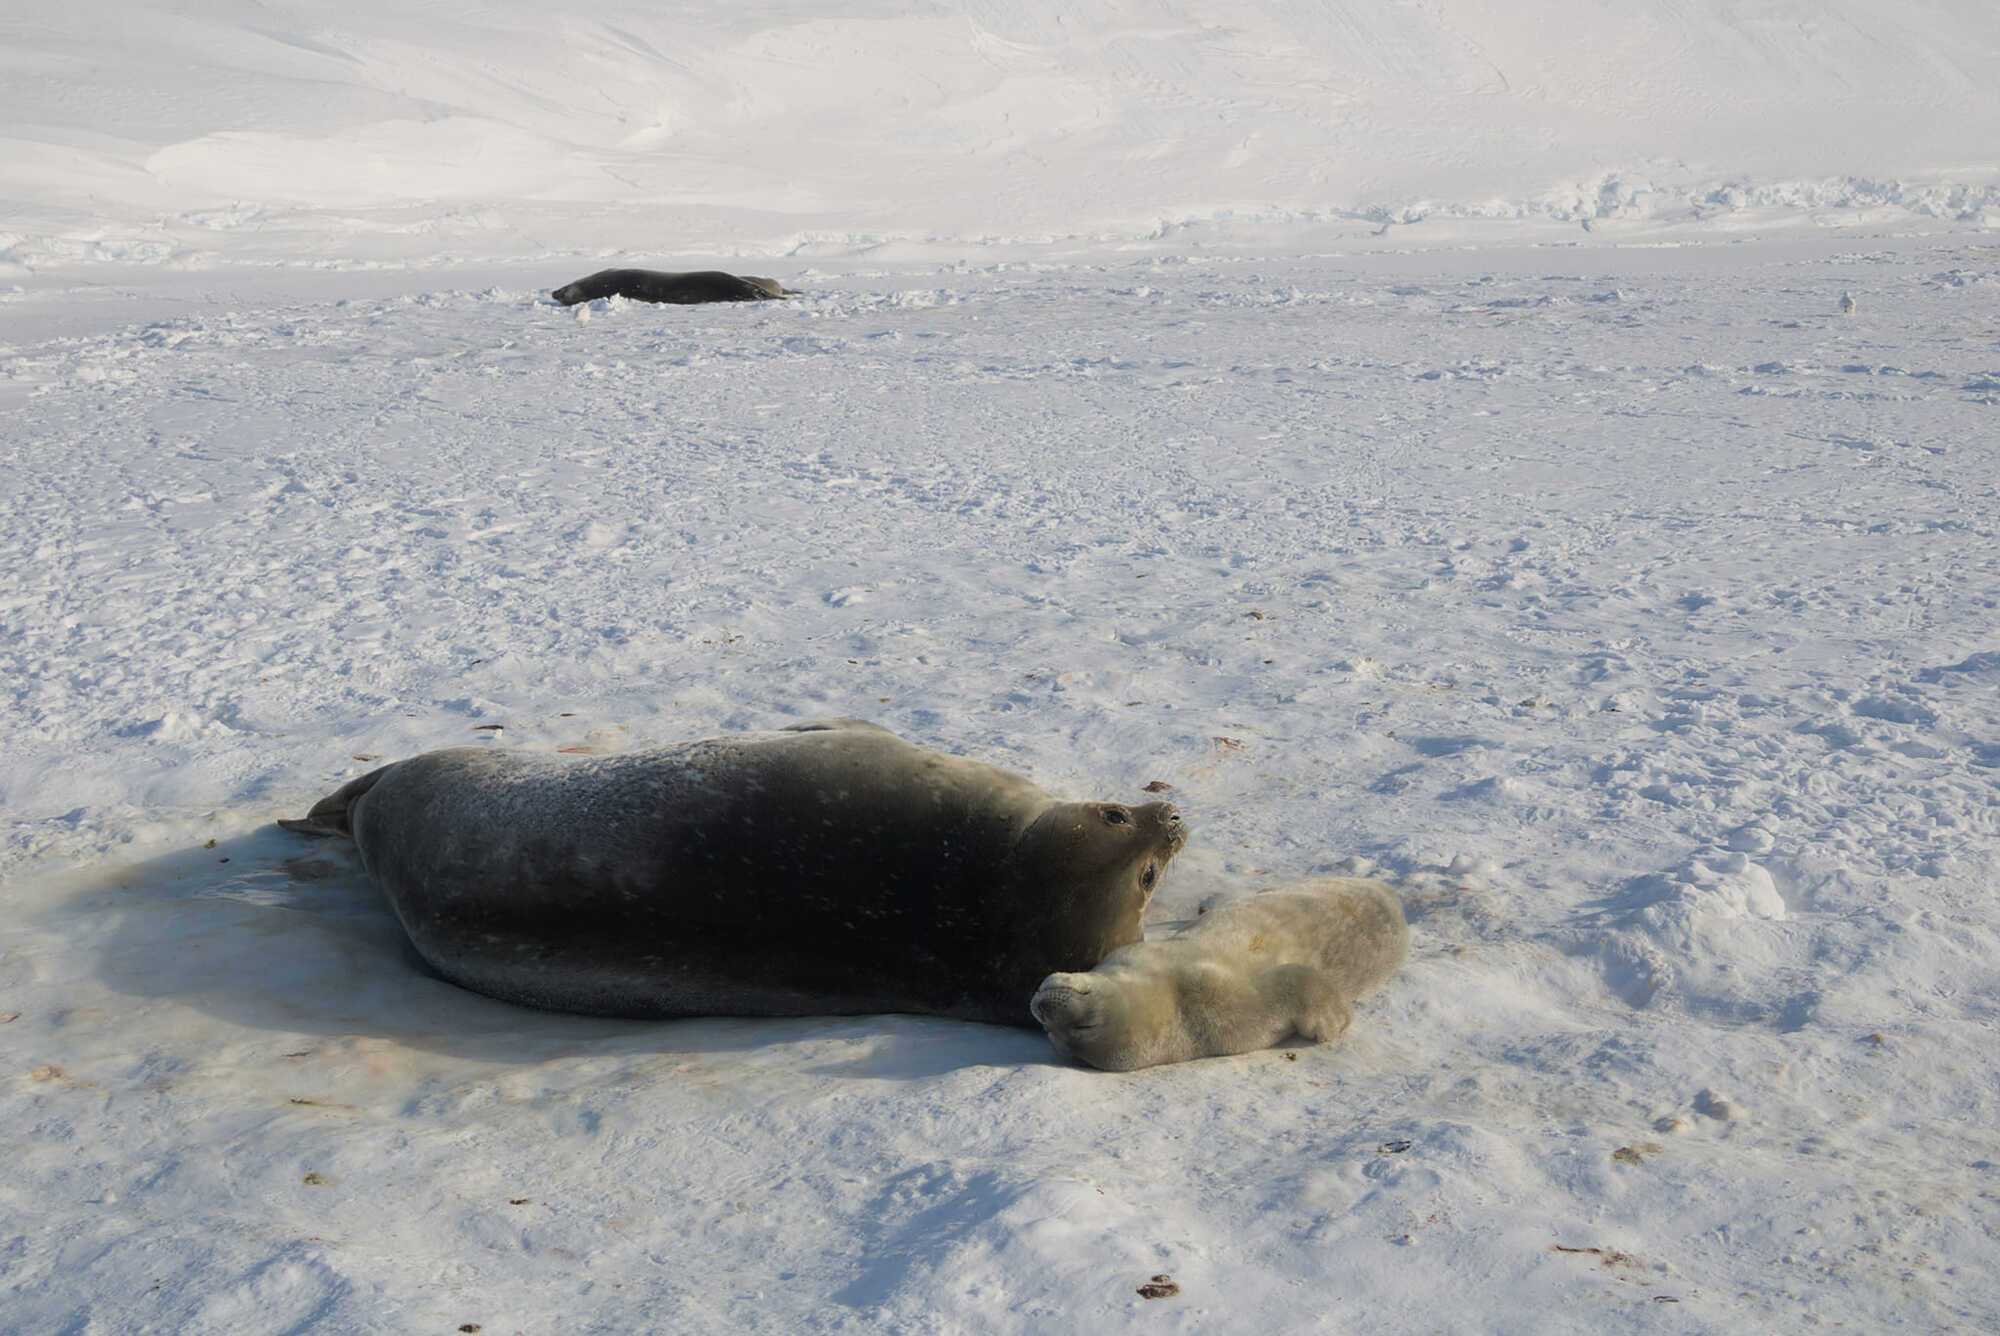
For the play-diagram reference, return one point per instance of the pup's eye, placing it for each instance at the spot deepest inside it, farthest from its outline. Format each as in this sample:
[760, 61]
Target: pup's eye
[1150, 875]
[1117, 816]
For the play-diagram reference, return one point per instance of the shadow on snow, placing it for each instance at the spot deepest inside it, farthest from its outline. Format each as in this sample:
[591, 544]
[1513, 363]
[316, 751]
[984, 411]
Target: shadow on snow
[267, 931]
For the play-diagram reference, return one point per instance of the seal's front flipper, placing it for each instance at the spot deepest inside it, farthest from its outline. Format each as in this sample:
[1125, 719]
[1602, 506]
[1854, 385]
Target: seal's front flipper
[331, 815]
[1311, 997]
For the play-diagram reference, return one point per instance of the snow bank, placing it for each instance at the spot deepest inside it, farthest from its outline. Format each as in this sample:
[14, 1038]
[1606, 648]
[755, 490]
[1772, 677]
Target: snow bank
[233, 130]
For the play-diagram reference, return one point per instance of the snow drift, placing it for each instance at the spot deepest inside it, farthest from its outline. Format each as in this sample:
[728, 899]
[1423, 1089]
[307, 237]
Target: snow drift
[516, 128]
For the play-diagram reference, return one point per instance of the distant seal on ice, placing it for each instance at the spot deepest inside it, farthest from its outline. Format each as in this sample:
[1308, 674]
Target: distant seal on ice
[652, 285]
[1244, 976]
[829, 868]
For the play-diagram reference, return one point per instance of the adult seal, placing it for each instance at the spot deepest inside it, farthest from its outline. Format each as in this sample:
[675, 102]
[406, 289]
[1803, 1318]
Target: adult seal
[1245, 976]
[652, 285]
[829, 868]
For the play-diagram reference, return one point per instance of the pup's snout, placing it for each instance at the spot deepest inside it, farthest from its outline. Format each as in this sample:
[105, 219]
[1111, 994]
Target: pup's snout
[1057, 999]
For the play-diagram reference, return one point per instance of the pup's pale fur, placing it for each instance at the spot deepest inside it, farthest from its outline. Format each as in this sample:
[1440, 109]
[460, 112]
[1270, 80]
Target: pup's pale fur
[1247, 975]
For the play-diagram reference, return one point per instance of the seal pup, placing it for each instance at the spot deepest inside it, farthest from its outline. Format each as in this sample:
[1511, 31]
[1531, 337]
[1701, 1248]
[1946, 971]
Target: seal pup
[828, 868]
[652, 285]
[1246, 975]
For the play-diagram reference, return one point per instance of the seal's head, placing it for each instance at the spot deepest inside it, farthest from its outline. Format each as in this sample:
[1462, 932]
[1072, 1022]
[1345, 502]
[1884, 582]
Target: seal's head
[1135, 842]
[1081, 877]
[1103, 845]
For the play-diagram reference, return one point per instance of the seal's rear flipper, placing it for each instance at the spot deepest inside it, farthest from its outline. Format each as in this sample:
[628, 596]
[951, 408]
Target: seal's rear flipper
[329, 816]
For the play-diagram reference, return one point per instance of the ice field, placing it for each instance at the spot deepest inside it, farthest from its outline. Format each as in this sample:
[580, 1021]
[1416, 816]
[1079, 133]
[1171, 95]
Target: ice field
[1612, 592]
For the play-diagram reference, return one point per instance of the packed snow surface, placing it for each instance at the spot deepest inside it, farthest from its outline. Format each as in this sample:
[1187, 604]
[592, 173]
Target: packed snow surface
[1637, 612]
[1541, 455]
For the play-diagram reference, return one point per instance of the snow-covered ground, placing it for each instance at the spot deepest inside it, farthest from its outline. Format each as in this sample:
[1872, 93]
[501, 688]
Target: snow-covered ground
[1630, 606]
[1635, 608]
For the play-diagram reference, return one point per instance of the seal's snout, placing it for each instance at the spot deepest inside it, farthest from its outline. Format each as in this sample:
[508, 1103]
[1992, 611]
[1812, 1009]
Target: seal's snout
[1060, 1000]
[1166, 818]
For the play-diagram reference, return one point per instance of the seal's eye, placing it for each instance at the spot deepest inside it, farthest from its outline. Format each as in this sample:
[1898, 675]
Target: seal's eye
[1150, 875]
[1117, 816]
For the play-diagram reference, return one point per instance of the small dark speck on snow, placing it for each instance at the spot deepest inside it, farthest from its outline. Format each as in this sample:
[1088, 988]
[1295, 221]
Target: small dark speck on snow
[1161, 1286]
[1607, 1257]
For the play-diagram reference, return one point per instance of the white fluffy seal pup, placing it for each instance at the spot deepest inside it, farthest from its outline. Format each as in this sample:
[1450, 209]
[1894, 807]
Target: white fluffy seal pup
[1246, 975]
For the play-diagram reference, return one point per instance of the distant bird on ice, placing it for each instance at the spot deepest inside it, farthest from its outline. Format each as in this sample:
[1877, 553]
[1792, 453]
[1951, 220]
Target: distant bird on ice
[1847, 303]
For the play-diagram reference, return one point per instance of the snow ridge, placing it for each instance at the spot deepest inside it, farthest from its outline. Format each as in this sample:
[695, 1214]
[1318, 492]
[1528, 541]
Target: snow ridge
[699, 129]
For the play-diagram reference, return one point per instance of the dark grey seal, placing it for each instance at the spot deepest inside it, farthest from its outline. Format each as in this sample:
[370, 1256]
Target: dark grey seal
[830, 868]
[651, 285]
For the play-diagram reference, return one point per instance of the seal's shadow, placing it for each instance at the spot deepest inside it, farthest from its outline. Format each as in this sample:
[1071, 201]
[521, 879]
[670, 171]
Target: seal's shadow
[267, 931]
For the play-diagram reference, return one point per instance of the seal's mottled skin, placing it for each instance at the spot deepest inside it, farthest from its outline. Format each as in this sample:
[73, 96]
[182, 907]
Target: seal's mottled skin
[1244, 976]
[652, 285]
[831, 868]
